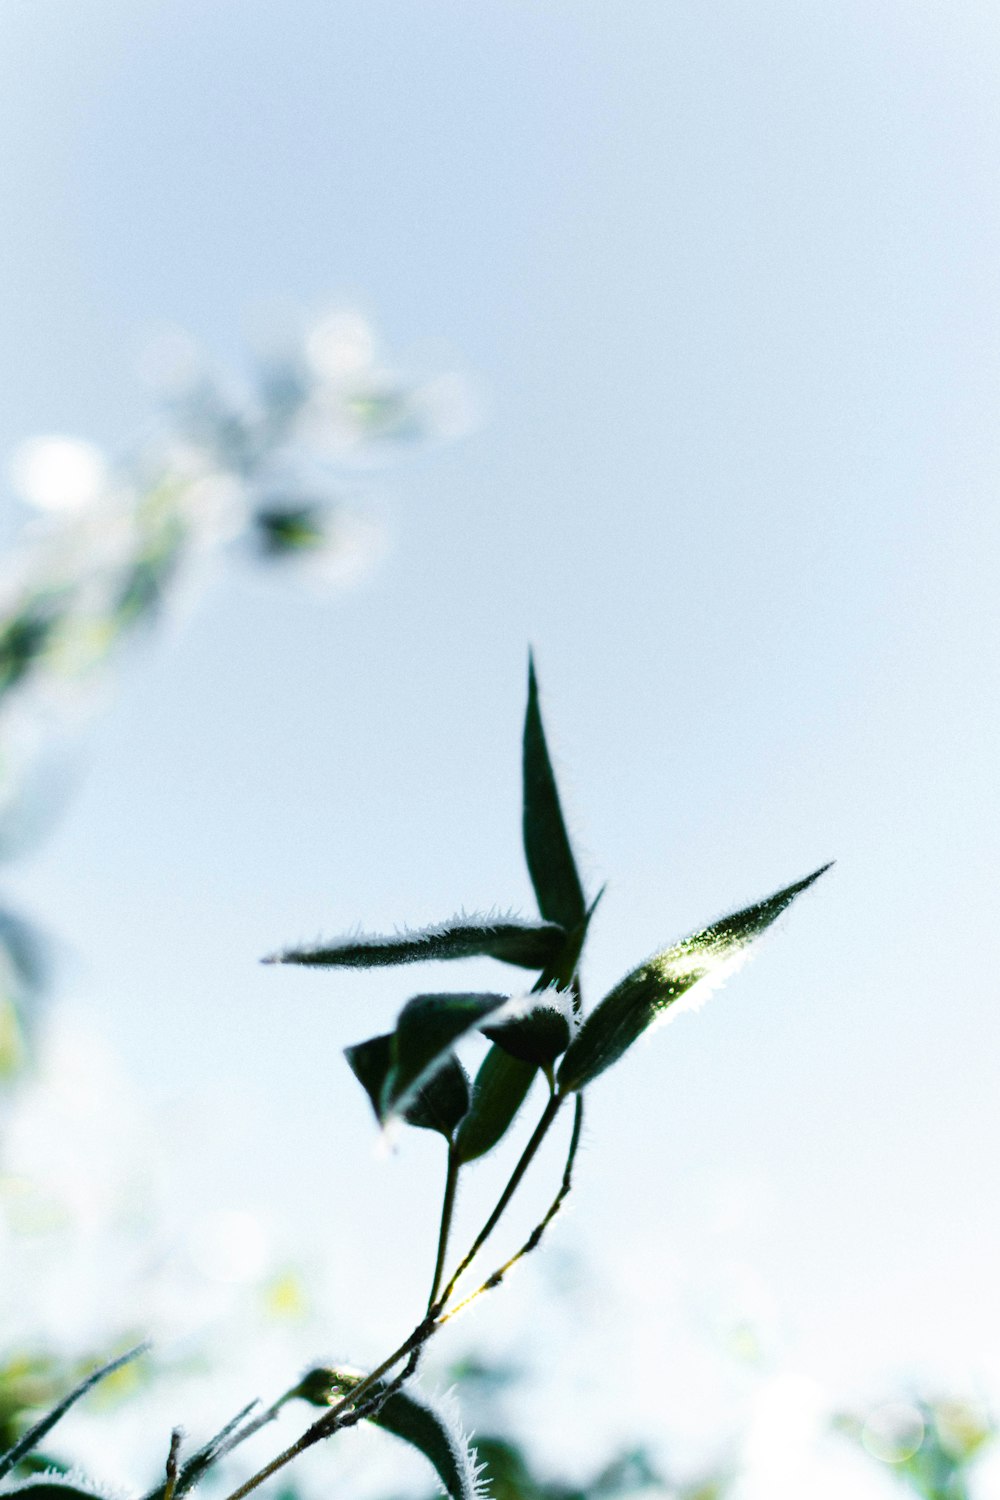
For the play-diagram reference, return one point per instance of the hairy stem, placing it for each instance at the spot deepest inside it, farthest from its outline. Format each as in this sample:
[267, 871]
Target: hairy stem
[535, 1236]
[328, 1423]
[447, 1209]
[527, 1156]
[351, 1407]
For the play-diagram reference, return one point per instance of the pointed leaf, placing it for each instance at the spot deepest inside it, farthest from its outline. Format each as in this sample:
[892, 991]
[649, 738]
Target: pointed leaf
[433, 1431]
[370, 1063]
[546, 842]
[540, 1034]
[34, 1435]
[426, 1031]
[499, 1091]
[529, 945]
[443, 1102]
[624, 1014]
[439, 1105]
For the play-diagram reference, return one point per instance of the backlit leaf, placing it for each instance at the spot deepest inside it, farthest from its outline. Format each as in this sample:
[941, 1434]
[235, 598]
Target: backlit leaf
[642, 996]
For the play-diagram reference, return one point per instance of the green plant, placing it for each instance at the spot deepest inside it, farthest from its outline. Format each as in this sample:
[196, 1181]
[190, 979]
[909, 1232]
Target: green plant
[932, 1445]
[414, 1076]
[267, 470]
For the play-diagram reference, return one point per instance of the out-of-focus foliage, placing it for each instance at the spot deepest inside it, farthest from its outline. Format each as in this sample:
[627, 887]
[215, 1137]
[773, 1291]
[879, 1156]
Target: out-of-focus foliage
[933, 1445]
[269, 470]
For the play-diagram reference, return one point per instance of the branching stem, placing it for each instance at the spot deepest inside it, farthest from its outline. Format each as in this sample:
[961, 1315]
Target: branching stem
[513, 1182]
[535, 1236]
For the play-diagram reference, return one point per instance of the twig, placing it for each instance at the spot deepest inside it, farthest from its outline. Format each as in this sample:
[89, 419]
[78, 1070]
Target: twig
[176, 1438]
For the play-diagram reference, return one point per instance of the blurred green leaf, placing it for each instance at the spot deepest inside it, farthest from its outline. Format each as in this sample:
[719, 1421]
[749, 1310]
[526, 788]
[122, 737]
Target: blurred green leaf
[34, 1435]
[23, 976]
[23, 639]
[529, 945]
[624, 1014]
[498, 1092]
[546, 842]
[288, 530]
[426, 1031]
[433, 1432]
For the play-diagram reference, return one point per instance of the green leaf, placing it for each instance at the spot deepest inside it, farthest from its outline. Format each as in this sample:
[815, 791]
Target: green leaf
[529, 945]
[56, 1487]
[539, 1035]
[624, 1014]
[34, 1435]
[439, 1105]
[433, 1431]
[426, 1031]
[559, 975]
[444, 1101]
[370, 1062]
[546, 842]
[497, 1094]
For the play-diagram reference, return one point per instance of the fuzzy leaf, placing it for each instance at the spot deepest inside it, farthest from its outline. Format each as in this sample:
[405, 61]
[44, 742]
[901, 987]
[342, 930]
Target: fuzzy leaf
[538, 1036]
[433, 1433]
[529, 945]
[439, 1105]
[546, 842]
[426, 1031]
[54, 1487]
[497, 1094]
[444, 1100]
[624, 1014]
[34, 1435]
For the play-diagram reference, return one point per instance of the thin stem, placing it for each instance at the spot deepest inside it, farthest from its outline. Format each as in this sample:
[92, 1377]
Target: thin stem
[535, 1236]
[176, 1438]
[328, 1423]
[349, 1405]
[447, 1209]
[269, 1414]
[527, 1156]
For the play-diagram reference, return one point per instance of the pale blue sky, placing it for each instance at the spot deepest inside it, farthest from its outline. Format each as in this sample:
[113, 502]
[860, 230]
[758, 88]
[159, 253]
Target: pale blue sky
[728, 276]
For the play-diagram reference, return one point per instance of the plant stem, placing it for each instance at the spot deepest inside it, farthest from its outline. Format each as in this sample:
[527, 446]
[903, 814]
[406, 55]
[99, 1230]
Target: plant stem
[536, 1234]
[527, 1156]
[447, 1209]
[327, 1424]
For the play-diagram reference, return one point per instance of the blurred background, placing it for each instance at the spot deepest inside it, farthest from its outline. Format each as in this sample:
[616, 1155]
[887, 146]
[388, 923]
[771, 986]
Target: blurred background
[349, 349]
